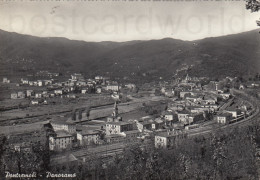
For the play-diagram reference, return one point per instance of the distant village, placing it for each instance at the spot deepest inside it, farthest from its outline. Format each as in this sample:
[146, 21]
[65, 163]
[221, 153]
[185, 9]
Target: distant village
[68, 89]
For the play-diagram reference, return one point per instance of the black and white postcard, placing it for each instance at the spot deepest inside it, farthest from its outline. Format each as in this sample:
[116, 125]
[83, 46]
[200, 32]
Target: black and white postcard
[130, 89]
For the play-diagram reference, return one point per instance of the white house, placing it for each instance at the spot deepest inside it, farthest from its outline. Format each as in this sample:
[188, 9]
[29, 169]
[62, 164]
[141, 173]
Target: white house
[21, 95]
[113, 87]
[99, 90]
[118, 127]
[25, 81]
[14, 96]
[88, 137]
[183, 116]
[38, 95]
[61, 140]
[40, 83]
[130, 135]
[58, 91]
[60, 124]
[235, 112]
[29, 93]
[167, 139]
[34, 102]
[224, 118]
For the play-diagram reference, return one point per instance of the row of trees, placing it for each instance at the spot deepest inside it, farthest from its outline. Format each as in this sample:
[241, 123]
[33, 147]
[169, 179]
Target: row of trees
[154, 109]
[79, 113]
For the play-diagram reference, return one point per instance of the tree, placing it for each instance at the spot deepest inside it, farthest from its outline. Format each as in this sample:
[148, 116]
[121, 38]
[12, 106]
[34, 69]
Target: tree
[42, 154]
[74, 116]
[87, 112]
[35, 158]
[254, 6]
[3, 140]
[157, 92]
[80, 115]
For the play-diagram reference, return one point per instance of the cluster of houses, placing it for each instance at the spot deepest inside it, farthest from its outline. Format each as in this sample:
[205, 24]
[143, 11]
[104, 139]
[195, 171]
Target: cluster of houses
[39, 83]
[67, 133]
[167, 138]
[192, 105]
[231, 113]
[75, 85]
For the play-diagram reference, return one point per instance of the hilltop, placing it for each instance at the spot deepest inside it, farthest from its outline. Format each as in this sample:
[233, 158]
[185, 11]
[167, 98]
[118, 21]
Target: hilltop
[232, 55]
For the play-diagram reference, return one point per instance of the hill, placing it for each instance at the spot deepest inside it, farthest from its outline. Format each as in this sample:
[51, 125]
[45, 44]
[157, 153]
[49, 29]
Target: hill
[232, 55]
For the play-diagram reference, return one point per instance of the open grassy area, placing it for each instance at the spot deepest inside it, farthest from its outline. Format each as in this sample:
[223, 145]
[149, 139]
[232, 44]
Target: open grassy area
[23, 128]
[56, 105]
[127, 110]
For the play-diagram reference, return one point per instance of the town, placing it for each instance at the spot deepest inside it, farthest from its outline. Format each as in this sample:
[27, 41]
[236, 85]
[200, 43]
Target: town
[108, 116]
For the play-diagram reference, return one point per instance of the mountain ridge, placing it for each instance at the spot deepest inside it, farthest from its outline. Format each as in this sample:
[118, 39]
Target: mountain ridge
[230, 55]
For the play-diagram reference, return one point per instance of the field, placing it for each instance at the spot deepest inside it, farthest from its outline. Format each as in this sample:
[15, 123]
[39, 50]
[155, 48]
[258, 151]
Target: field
[98, 115]
[55, 106]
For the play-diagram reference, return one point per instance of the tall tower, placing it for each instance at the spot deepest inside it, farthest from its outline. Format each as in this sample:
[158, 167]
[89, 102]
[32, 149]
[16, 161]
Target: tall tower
[115, 112]
[217, 86]
[187, 78]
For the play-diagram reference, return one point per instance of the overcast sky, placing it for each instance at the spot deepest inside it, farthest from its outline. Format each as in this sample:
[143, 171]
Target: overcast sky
[127, 20]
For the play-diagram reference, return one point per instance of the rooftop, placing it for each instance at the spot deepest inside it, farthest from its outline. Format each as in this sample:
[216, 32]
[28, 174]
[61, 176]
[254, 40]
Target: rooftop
[168, 134]
[184, 112]
[119, 123]
[232, 108]
[61, 120]
[88, 132]
[131, 132]
[158, 120]
[194, 107]
[167, 113]
[113, 84]
[145, 122]
[114, 135]
[146, 117]
[194, 97]
[62, 133]
[224, 114]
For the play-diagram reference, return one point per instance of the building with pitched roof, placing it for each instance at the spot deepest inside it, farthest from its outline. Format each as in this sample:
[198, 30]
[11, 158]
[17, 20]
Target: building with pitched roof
[234, 111]
[118, 127]
[87, 137]
[61, 124]
[167, 139]
[183, 115]
[61, 140]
